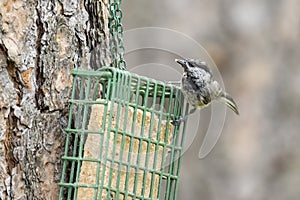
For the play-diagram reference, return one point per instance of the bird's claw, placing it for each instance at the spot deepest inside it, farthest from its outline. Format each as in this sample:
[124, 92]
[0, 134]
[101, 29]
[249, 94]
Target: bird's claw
[177, 122]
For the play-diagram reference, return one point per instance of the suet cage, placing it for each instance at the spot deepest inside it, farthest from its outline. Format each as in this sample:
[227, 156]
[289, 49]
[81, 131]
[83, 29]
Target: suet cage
[120, 142]
[123, 144]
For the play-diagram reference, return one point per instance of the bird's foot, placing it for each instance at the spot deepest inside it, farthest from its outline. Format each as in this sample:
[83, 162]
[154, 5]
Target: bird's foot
[177, 122]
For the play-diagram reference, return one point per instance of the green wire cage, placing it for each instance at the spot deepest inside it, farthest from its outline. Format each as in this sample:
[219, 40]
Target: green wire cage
[120, 141]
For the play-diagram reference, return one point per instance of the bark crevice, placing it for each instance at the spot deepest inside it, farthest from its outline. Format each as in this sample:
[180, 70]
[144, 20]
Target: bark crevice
[40, 79]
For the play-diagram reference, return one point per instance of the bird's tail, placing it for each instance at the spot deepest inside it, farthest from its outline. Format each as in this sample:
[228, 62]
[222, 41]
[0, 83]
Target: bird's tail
[228, 100]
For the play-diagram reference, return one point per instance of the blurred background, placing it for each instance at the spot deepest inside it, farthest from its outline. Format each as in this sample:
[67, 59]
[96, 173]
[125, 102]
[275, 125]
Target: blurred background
[255, 44]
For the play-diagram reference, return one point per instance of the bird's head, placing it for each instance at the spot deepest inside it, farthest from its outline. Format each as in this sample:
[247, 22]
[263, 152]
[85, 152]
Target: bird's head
[189, 64]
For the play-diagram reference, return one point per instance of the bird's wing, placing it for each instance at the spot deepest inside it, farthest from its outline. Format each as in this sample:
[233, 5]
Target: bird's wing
[201, 90]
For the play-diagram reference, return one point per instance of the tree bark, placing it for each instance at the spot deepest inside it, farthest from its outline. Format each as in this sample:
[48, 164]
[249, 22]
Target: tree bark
[40, 42]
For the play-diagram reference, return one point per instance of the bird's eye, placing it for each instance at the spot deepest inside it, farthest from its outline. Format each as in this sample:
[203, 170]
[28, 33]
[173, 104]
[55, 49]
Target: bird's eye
[191, 64]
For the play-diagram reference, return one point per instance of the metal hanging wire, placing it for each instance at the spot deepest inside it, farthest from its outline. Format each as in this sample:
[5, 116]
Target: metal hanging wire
[117, 34]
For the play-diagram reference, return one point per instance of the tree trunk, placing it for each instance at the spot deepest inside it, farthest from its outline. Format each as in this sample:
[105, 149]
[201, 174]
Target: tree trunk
[40, 42]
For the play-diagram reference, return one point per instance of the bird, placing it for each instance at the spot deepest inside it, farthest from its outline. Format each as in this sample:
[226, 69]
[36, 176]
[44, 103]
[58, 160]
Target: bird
[199, 87]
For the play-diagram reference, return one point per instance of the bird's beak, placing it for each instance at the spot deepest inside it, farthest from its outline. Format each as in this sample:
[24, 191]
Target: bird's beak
[181, 62]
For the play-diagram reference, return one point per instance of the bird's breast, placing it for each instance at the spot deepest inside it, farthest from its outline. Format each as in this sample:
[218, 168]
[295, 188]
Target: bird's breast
[195, 92]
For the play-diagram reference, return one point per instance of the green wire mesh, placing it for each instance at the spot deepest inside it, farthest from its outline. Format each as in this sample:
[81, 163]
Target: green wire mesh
[120, 143]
